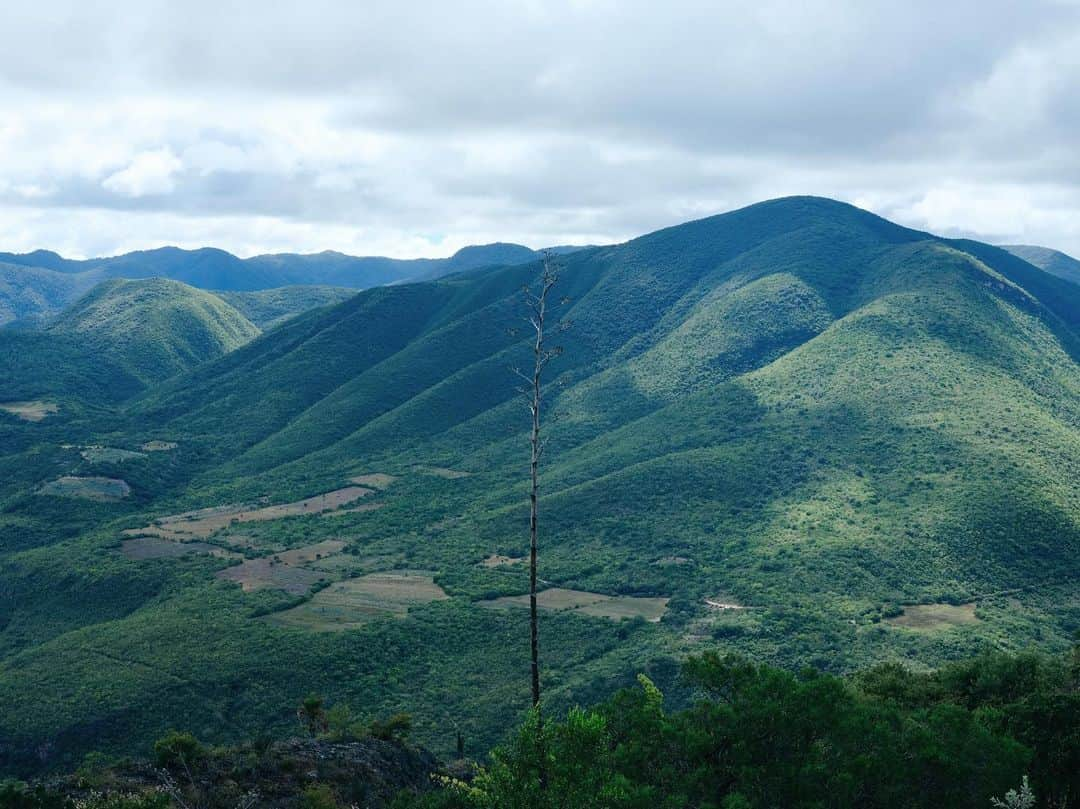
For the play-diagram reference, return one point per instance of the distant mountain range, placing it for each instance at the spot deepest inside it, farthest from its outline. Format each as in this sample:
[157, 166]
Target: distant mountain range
[36, 286]
[1053, 261]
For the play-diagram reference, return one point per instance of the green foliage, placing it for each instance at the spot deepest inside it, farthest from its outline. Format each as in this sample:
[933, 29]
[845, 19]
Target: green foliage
[763, 737]
[157, 328]
[178, 750]
[319, 796]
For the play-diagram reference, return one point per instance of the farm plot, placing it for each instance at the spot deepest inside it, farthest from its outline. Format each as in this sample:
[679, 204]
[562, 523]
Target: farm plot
[558, 599]
[934, 617]
[354, 602]
[442, 472]
[156, 548]
[100, 490]
[206, 522]
[97, 454]
[376, 480]
[30, 411]
[158, 446]
[266, 573]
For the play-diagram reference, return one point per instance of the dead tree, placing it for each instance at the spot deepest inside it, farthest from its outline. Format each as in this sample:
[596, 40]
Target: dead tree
[537, 302]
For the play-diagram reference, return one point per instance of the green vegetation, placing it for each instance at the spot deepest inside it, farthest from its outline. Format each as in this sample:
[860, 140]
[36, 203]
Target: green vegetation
[156, 328]
[267, 308]
[866, 437]
[762, 737]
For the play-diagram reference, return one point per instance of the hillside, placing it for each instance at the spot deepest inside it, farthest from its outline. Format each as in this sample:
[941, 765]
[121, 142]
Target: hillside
[32, 295]
[1052, 261]
[156, 327]
[796, 430]
[267, 308]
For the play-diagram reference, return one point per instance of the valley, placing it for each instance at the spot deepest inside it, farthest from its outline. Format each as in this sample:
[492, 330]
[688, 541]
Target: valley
[795, 431]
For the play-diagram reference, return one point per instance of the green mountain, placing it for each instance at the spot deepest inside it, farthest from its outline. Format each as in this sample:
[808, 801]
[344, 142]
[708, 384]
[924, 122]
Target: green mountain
[32, 295]
[210, 268]
[795, 430]
[1052, 261]
[156, 327]
[267, 308]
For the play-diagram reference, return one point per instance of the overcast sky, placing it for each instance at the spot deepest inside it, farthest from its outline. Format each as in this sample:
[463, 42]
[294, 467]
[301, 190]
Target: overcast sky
[412, 129]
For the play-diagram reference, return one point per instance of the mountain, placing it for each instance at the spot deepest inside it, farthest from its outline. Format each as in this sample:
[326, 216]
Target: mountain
[796, 431]
[267, 308]
[1052, 261]
[32, 295]
[210, 268]
[156, 327]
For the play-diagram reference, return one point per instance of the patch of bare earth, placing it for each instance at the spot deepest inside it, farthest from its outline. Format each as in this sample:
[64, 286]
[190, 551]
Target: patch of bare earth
[442, 472]
[933, 617]
[98, 454]
[100, 490]
[354, 602]
[495, 560]
[30, 411]
[258, 574]
[558, 599]
[376, 480]
[156, 548]
[158, 446]
[206, 522]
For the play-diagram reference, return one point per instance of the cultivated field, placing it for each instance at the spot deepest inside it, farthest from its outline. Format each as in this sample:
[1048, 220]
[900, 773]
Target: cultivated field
[442, 472]
[97, 454]
[206, 522]
[558, 599]
[259, 574]
[29, 411]
[101, 490]
[376, 480]
[354, 602]
[931, 617]
[158, 446]
[157, 548]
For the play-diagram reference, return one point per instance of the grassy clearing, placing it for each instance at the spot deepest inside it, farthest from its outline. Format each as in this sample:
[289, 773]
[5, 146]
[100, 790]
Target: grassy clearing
[495, 560]
[352, 603]
[935, 617]
[101, 490]
[376, 480]
[30, 411]
[558, 599]
[97, 454]
[158, 446]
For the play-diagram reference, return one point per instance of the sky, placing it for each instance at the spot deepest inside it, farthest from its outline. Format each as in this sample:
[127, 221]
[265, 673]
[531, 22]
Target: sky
[412, 129]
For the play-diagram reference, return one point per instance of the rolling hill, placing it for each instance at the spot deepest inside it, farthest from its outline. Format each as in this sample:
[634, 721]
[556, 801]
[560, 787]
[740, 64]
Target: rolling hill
[1052, 261]
[30, 296]
[155, 327]
[795, 430]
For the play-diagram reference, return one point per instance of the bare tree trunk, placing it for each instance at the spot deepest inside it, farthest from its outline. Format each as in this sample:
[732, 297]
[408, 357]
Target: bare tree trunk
[534, 629]
[537, 300]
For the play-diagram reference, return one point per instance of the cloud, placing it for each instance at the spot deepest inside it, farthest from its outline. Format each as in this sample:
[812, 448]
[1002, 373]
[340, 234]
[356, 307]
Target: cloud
[410, 127]
[148, 173]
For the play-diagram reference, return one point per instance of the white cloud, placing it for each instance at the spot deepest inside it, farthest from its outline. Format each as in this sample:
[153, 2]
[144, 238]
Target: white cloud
[148, 173]
[410, 126]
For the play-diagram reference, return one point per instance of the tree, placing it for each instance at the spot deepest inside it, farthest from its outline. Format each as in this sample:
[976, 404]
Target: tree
[538, 309]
